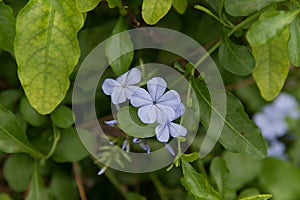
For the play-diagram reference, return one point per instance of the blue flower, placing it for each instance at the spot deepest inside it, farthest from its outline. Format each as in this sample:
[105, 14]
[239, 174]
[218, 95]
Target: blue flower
[123, 87]
[155, 105]
[164, 130]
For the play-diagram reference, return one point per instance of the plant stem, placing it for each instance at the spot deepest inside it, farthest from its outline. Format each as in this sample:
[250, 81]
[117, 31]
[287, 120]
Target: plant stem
[78, 180]
[120, 187]
[56, 138]
[159, 187]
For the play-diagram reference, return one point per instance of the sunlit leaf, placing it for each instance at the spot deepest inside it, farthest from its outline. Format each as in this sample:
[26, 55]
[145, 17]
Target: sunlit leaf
[114, 3]
[239, 133]
[196, 184]
[246, 7]
[294, 42]
[268, 38]
[7, 27]
[86, 5]
[117, 45]
[47, 50]
[154, 10]
[235, 58]
[12, 136]
[180, 5]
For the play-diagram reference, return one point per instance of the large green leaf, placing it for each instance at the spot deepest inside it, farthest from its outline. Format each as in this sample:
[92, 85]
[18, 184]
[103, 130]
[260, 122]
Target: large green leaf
[219, 173]
[18, 180]
[116, 46]
[235, 58]
[196, 183]
[154, 10]
[12, 136]
[239, 133]
[268, 38]
[86, 5]
[246, 7]
[281, 179]
[47, 50]
[7, 27]
[294, 42]
[130, 123]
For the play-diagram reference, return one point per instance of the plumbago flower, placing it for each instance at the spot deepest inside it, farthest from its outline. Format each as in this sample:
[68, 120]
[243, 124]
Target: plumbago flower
[123, 87]
[158, 106]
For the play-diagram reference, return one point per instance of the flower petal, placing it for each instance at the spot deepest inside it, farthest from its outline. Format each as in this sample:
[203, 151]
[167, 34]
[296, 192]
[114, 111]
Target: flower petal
[177, 130]
[129, 90]
[156, 87]
[164, 113]
[179, 111]
[140, 97]
[162, 132]
[109, 85]
[133, 77]
[170, 98]
[147, 114]
[118, 96]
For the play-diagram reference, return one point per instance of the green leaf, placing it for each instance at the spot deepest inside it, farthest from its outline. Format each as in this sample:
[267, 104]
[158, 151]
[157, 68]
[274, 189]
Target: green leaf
[63, 185]
[12, 135]
[70, 147]
[117, 45]
[114, 3]
[258, 197]
[86, 5]
[235, 58]
[130, 123]
[47, 50]
[246, 7]
[280, 178]
[180, 5]
[134, 196]
[7, 27]
[196, 183]
[191, 157]
[294, 42]
[242, 170]
[62, 117]
[154, 10]
[268, 38]
[37, 188]
[239, 133]
[219, 173]
[18, 180]
[10, 97]
[30, 115]
[4, 196]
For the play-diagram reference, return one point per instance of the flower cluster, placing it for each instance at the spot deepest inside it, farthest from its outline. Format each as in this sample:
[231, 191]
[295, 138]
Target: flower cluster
[272, 121]
[155, 105]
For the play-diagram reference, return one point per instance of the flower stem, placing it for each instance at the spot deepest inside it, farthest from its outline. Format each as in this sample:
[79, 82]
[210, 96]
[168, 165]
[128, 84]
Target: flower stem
[78, 180]
[56, 138]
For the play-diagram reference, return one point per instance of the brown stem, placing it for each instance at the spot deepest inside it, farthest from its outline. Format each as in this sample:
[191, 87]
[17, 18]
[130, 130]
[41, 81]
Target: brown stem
[78, 180]
[237, 85]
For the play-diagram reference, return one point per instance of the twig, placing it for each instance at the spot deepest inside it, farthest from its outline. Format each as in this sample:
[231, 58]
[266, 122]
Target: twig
[237, 85]
[79, 181]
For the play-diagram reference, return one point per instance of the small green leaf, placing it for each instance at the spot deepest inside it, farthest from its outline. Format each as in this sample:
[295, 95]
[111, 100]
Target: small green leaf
[130, 123]
[47, 50]
[294, 42]
[135, 196]
[30, 115]
[86, 5]
[246, 7]
[196, 184]
[9, 98]
[70, 147]
[114, 3]
[154, 10]
[191, 157]
[258, 197]
[219, 173]
[280, 178]
[235, 58]
[62, 116]
[180, 5]
[18, 180]
[239, 133]
[118, 45]
[37, 188]
[268, 38]
[4, 196]
[63, 185]
[7, 27]
[12, 135]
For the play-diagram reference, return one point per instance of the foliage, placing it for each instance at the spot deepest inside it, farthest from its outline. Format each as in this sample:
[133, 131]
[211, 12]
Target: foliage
[255, 44]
